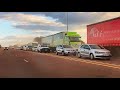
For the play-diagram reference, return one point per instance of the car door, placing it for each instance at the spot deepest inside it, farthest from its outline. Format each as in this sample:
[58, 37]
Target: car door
[58, 48]
[82, 50]
[86, 50]
[38, 48]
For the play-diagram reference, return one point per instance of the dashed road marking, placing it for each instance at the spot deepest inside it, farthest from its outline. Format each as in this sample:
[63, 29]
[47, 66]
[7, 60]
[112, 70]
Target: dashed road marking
[26, 60]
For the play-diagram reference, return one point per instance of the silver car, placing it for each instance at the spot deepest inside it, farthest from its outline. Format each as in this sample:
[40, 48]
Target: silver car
[93, 51]
[65, 50]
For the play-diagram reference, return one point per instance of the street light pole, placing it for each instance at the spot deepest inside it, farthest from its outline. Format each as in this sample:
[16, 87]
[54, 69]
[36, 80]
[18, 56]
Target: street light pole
[67, 20]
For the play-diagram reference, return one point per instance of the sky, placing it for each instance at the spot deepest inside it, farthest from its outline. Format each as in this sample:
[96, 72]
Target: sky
[22, 27]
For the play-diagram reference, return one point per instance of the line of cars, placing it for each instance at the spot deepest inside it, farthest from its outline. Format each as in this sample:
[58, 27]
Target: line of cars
[38, 48]
[91, 51]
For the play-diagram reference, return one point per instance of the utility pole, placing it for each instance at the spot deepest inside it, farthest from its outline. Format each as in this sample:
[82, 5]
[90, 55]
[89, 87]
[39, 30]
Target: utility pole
[67, 20]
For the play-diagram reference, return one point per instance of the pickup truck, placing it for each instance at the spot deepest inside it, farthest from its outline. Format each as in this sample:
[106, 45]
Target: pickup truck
[43, 48]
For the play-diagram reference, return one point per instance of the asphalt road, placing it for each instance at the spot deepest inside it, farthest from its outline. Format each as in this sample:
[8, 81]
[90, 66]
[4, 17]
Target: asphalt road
[27, 64]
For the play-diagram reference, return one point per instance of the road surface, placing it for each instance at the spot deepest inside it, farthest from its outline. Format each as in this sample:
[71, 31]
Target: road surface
[27, 64]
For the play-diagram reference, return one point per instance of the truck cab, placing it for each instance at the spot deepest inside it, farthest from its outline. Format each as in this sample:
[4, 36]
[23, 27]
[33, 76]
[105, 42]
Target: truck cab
[73, 39]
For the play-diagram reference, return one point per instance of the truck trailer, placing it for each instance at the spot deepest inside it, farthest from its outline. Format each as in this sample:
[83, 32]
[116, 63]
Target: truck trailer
[67, 38]
[105, 33]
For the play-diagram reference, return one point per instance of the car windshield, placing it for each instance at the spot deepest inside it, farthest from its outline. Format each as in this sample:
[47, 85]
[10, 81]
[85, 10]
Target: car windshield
[29, 46]
[96, 47]
[44, 46]
[74, 39]
[67, 46]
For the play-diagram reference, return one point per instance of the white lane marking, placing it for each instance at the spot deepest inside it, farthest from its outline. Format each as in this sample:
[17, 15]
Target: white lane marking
[25, 60]
[88, 61]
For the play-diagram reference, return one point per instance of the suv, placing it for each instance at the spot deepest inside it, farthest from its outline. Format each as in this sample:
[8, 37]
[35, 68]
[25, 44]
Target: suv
[93, 51]
[65, 50]
[43, 48]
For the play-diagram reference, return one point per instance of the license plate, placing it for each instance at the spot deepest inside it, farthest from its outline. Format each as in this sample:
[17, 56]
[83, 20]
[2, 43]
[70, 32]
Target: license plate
[105, 54]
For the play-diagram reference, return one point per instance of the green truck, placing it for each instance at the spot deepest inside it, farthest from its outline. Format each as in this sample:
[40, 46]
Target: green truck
[63, 38]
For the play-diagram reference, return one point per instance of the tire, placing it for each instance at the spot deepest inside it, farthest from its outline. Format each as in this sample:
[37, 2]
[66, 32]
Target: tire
[78, 55]
[56, 53]
[91, 56]
[40, 51]
[63, 53]
[108, 59]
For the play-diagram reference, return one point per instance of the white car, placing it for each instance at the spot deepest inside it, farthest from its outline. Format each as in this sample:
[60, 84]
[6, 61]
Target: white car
[25, 47]
[93, 51]
[43, 48]
[65, 50]
[34, 49]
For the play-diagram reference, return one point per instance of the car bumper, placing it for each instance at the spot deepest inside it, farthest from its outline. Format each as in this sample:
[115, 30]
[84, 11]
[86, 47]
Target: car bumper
[69, 52]
[45, 50]
[103, 56]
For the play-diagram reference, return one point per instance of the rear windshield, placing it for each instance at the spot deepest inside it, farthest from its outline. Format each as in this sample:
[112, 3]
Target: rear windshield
[44, 46]
[29, 46]
[67, 46]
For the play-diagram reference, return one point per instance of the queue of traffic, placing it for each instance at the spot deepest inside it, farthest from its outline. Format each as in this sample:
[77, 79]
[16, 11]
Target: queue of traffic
[91, 51]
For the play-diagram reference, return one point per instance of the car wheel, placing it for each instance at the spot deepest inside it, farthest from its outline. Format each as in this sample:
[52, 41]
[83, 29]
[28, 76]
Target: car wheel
[56, 53]
[91, 56]
[108, 59]
[40, 51]
[63, 53]
[78, 55]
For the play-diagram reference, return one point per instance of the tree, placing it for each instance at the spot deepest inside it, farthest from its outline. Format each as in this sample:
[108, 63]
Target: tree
[38, 39]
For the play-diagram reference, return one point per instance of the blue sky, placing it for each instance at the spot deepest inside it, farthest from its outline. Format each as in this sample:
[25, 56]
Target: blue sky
[23, 27]
[6, 29]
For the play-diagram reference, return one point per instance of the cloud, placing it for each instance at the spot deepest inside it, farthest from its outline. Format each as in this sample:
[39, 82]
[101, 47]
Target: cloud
[47, 23]
[32, 22]
[79, 18]
[76, 18]
[39, 27]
